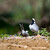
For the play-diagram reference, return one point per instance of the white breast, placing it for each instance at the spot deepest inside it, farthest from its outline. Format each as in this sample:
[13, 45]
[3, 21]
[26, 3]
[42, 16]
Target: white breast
[33, 27]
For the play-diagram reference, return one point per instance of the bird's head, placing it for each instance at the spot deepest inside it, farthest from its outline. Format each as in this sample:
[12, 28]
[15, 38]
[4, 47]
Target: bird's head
[33, 21]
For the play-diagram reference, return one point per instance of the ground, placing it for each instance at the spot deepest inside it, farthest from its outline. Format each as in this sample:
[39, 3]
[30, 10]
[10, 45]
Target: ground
[25, 43]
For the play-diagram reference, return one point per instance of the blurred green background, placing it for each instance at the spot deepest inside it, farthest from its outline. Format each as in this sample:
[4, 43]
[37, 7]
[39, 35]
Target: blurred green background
[13, 12]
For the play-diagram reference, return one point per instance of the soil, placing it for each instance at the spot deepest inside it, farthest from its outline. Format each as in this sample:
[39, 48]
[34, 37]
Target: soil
[25, 43]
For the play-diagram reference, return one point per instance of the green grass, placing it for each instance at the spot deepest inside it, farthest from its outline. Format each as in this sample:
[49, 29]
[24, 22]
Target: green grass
[43, 32]
[48, 37]
[4, 35]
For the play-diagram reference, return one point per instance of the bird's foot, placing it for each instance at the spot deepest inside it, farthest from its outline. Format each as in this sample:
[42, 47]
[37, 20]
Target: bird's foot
[38, 35]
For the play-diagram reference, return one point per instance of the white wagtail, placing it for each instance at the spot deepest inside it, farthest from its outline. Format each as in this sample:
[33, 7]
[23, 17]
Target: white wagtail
[33, 26]
[23, 32]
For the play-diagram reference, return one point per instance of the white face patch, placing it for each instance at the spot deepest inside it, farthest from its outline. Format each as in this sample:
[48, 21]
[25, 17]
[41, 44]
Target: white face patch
[33, 19]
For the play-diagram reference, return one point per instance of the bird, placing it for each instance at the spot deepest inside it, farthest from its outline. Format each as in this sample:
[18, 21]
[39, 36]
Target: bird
[33, 26]
[24, 33]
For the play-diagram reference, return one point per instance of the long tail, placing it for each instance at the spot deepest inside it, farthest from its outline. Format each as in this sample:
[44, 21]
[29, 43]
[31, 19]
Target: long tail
[22, 27]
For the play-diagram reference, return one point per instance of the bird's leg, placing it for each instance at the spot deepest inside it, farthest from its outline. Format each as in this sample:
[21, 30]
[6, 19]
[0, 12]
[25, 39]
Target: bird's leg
[33, 34]
[38, 34]
[22, 27]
